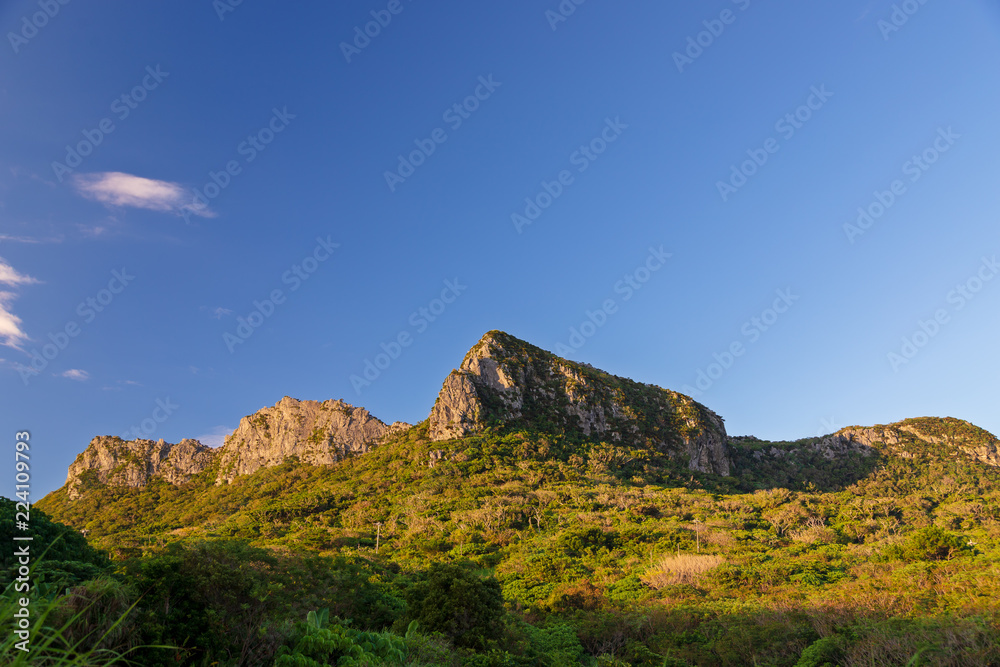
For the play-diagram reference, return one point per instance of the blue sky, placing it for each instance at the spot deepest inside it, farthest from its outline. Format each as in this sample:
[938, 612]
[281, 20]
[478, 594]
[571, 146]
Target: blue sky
[687, 179]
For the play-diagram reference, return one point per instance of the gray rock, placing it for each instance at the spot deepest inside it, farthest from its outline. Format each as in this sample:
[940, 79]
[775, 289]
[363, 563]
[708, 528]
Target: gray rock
[317, 433]
[134, 462]
[505, 379]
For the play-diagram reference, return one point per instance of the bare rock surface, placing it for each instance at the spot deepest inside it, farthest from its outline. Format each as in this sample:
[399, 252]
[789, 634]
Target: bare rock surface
[317, 433]
[134, 462]
[503, 380]
[506, 382]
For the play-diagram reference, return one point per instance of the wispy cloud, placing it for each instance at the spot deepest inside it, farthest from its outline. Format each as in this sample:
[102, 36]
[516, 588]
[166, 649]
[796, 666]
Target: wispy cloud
[95, 230]
[119, 383]
[76, 374]
[29, 239]
[11, 333]
[114, 188]
[10, 276]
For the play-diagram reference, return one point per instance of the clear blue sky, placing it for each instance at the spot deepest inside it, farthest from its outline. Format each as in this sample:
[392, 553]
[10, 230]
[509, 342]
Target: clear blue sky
[593, 117]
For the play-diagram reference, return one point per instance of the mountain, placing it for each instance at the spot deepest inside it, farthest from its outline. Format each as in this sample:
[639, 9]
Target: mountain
[317, 433]
[502, 381]
[611, 518]
[111, 460]
[506, 381]
[510, 411]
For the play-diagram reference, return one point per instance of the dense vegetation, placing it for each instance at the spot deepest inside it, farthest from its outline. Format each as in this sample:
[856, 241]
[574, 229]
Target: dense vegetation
[521, 547]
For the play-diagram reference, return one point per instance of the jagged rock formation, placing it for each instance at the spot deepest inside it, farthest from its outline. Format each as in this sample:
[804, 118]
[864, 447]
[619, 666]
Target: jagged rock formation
[506, 381]
[318, 433]
[948, 434]
[831, 447]
[111, 460]
[836, 461]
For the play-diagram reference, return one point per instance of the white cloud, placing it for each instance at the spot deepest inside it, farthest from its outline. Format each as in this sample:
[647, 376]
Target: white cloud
[11, 333]
[216, 437]
[94, 230]
[76, 374]
[29, 239]
[113, 188]
[10, 276]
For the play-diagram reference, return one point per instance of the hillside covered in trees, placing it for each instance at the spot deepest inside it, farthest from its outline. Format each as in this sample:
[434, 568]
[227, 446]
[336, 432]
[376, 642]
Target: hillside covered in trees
[546, 513]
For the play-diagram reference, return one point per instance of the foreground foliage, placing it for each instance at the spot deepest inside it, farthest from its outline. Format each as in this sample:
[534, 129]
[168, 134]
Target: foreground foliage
[527, 548]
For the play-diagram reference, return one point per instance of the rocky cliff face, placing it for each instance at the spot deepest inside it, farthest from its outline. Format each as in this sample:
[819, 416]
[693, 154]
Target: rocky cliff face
[134, 462]
[947, 436]
[317, 433]
[909, 439]
[505, 381]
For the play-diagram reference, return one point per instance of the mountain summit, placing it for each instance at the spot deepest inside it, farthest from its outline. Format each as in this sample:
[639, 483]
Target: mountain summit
[317, 433]
[505, 381]
[505, 385]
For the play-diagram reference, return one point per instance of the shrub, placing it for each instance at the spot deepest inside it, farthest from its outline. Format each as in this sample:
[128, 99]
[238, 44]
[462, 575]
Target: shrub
[321, 643]
[825, 652]
[455, 601]
[930, 543]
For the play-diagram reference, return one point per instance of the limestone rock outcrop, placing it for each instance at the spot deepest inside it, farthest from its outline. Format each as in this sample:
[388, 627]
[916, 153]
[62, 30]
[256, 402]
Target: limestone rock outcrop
[504, 380]
[134, 462]
[907, 439]
[317, 433]
[947, 434]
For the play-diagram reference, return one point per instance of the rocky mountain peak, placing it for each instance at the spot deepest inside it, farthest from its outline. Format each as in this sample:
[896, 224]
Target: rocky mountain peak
[317, 433]
[505, 381]
[111, 460]
[923, 438]
[947, 435]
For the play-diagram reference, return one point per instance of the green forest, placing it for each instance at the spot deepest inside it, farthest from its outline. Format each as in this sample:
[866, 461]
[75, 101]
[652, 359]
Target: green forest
[528, 547]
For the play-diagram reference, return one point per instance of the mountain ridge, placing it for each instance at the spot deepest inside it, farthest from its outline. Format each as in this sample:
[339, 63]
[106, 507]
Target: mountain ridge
[509, 384]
